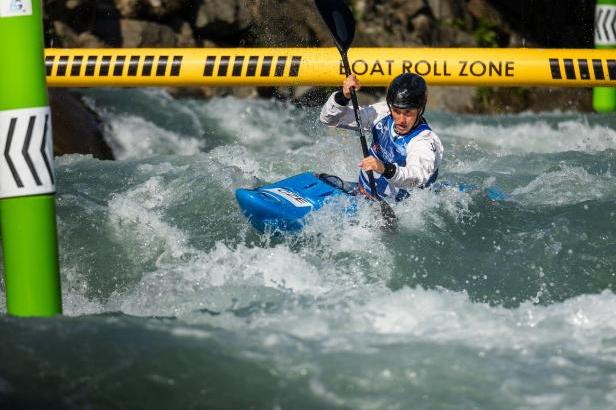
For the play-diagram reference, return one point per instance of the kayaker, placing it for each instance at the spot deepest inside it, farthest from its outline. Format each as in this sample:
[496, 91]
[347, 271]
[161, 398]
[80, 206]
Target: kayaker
[405, 153]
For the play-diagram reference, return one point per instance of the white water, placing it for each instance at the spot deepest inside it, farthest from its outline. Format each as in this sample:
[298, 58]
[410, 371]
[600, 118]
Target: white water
[469, 305]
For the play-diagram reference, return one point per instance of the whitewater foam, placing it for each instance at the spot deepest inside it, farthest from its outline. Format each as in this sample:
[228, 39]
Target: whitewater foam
[565, 186]
[135, 137]
[535, 137]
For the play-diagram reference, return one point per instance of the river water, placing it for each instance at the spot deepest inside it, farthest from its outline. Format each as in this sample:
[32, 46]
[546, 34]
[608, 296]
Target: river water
[171, 300]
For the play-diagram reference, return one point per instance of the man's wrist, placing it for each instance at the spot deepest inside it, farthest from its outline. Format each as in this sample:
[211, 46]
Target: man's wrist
[390, 170]
[340, 98]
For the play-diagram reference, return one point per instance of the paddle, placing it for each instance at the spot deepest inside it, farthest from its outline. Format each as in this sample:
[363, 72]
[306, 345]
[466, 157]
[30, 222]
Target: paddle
[341, 24]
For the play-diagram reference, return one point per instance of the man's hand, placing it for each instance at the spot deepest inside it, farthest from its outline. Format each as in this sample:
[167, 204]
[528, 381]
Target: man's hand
[371, 164]
[350, 82]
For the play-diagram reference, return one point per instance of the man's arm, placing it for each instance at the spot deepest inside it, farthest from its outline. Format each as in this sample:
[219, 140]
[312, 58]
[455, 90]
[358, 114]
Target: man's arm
[337, 112]
[337, 115]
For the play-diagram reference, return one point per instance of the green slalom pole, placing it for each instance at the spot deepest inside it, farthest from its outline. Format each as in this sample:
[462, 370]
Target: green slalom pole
[27, 186]
[604, 98]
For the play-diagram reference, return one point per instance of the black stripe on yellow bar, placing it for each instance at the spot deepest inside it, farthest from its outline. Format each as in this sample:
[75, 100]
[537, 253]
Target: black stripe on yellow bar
[597, 67]
[295, 62]
[569, 69]
[76, 66]
[252, 66]
[104, 71]
[555, 68]
[62, 63]
[118, 67]
[176, 66]
[267, 65]
[133, 65]
[223, 66]
[280, 64]
[146, 71]
[208, 71]
[161, 67]
[584, 69]
[611, 68]
[49, 60]
[583, 65]
[237, 66]
[91, 65]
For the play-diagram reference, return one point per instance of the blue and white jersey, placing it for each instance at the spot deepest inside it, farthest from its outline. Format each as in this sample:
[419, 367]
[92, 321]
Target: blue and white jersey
[417, 155]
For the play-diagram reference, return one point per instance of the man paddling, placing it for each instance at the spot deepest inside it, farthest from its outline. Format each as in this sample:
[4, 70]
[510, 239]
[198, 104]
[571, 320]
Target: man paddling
[405, 153]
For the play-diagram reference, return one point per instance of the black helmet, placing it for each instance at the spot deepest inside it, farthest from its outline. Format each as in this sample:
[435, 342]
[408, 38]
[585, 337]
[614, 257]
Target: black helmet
[407, 91]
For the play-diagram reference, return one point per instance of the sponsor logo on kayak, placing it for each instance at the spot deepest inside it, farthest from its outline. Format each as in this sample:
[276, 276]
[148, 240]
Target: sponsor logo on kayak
[290, 196]
[580, 69]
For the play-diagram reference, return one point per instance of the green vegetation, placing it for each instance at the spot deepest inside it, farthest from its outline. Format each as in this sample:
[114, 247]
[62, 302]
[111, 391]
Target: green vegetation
[486, 34]
[499, 100]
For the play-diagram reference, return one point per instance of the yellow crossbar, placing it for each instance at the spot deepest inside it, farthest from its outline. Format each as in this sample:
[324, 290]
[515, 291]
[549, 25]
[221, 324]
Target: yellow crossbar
[322, 66]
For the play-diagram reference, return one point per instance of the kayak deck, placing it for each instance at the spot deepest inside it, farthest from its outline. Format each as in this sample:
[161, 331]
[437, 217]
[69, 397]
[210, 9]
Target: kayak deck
[284, 204]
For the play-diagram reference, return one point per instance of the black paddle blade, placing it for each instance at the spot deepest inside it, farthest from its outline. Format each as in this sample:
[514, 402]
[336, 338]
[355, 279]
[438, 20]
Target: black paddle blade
[339, 20]
[390, 221]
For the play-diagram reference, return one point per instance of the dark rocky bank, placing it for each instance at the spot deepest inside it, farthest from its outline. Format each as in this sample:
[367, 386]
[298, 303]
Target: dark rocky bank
[293, 23]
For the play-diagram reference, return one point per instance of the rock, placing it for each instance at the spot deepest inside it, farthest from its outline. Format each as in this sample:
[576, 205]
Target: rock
[360, 8]
[551, 23]
[452, 99]
[163, 8]
[224, 22]
[186, 37]
[396, 23]
[423, 29]
[482, 10]
[69, 39]
[76, 129]
[73, 4]
[99, 19]
[403, 9]
[128, 8]
[223, 14]
[452, 37]
[286, 23]
[146, 9]
[136, 33]
[443, 9]
[562, 99]
[493, 100]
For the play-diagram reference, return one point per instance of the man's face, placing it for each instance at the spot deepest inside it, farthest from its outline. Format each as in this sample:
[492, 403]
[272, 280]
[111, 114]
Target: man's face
[404, 118]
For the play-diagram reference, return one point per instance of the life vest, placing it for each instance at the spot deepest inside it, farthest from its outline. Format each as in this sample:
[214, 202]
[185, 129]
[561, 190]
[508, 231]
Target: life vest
[390, 147]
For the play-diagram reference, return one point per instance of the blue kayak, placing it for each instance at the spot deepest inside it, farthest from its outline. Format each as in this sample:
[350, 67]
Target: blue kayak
[283, 205]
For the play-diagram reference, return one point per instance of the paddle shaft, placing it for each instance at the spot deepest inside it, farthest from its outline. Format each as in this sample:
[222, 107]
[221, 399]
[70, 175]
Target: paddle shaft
[341, 24]
[362, 137]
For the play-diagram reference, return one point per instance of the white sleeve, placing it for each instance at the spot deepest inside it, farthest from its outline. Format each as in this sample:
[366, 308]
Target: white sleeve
[424, 156]
[342, 116]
